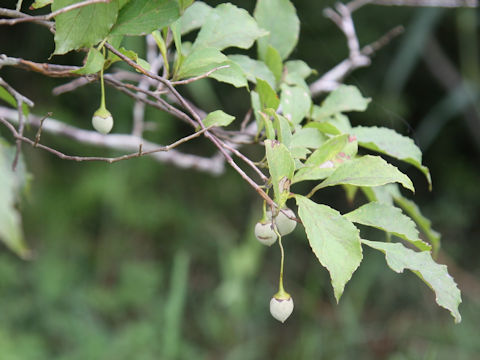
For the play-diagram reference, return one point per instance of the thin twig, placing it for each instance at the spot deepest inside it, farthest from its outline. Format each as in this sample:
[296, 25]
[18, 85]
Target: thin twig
[50, 16]
[16, 134]
[199, 77]
[123, 142]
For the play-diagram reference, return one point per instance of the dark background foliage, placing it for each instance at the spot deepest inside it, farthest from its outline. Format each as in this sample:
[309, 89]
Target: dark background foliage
[142, 260]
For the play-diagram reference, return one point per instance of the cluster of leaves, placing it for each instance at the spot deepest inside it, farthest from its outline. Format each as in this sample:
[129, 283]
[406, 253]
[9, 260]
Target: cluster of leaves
[303, 141]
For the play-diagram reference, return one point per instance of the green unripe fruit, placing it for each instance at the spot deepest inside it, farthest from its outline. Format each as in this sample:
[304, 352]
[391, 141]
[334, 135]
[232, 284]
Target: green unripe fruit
[265, 234]
[102, 121]
[284, 224]
[281, 307]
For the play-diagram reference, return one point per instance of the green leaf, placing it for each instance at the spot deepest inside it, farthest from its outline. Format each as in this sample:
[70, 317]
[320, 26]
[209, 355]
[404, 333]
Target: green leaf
[184, 4]
[140, 17]
[83, 27]
[40, 3]
[218, 118]
[200, 61]
[279, 17]
[94, 63]
[367, 171]
[228, 26]
[131, 55]
[268, 124]
[436, 276]
[334, 240]
[334, 125]
[323, 161]
[309, 138]
[295, 103]
[274, 63]
[268, 96]
[281, 167]
[390, 219]
[344, 98]
[9, 99]
[299, 68]
[389, 142]
[423, 223]
[10, 221]
[232, 75]
[283, 129]
[256, 107]
[194, 17]
[254, 69]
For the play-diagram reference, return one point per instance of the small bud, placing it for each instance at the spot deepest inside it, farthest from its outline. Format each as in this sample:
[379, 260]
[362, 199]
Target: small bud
[284, 224]
[102, 121]
[281, 308]
[265, 233]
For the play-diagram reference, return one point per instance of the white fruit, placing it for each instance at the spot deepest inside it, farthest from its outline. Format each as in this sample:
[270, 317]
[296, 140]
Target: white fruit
[265, 233]
[284, 224]
[102, 121]
[281, 309]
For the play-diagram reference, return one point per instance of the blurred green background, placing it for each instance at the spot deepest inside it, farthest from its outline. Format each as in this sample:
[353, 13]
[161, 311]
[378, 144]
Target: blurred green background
[139, 260]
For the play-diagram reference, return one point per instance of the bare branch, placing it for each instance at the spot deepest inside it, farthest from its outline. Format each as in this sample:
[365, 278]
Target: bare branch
[122, 142]
[333, 78]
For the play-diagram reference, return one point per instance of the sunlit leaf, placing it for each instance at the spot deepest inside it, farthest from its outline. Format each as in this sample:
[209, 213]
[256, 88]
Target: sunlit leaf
[218, 118]
[389, 142]
[279, 17]
[228, 26]
[367, 171]
[436, 276]
[390, 219]
[345, 98]
[334, 240]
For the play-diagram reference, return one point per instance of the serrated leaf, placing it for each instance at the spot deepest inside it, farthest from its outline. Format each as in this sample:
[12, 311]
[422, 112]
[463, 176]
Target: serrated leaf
[274, 63]
[200, 61]
[389, 142]
[268, 96]
[256, 107]
[194, 17]
[399, 258]
[232, 75]
[323, 161]
[423, 223]
[140, 17]
[94, 63]
[389, 219]
[295, 102]
[309, 138]
[40, 3]
[279, 17]
[281, 167]
[218, 118]
[254, 69]
[334, 240]
[83, 27]
[228, 26]
[367, 171]
[345, 98]
[10, 220]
